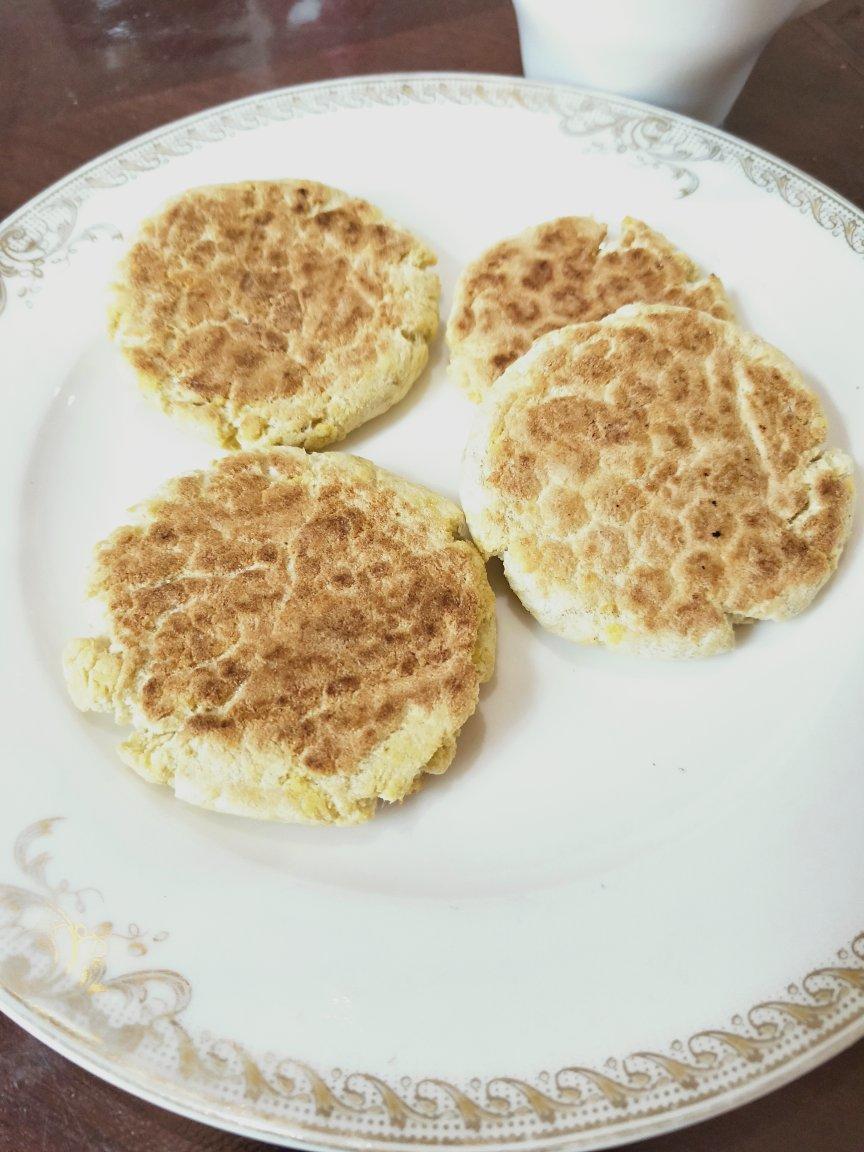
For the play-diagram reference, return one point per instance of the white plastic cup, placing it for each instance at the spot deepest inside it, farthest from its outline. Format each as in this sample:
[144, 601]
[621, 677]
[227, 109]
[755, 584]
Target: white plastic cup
[691, 56]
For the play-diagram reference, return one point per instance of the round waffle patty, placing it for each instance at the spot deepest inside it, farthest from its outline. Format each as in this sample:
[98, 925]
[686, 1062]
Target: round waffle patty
[654, 478]
[291, 636]
[558, 274]
[275, 312]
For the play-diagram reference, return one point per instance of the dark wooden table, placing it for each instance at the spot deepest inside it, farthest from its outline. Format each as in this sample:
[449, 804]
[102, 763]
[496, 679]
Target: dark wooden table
[79, 76]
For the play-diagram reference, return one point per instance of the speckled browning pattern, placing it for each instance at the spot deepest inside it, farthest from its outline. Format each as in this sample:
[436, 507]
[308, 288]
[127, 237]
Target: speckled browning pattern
[292, 636]
[275, 312]
[654, 478]
[557, 274]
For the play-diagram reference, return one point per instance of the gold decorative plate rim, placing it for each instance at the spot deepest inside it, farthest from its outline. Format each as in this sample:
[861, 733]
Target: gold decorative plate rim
[323, 1140]
[578, 1107]
[652, 136]
[59, 978]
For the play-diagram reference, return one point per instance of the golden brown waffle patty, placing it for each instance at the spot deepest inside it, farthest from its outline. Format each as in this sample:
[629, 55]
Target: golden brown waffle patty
[557, 274]
[275, 312]
[654, 478]
[291, 636]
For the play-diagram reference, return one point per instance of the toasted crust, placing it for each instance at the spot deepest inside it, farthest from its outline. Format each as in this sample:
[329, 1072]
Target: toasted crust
[291, 636]
[654, 478]
[275, 312]
[557, 274]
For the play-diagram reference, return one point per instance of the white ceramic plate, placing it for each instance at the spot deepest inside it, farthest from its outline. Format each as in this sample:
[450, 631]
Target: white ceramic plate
[634, 900]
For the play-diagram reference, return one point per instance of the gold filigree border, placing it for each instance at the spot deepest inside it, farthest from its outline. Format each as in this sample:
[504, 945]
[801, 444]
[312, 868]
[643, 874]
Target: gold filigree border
[43, 232]
[61, 962]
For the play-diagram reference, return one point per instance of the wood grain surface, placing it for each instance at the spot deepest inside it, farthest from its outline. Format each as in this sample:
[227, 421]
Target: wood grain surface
[80, 76]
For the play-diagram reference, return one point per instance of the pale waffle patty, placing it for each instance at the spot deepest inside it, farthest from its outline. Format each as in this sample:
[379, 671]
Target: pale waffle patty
[275, 312]
[291, 637]
[654, 478]
[563, 272]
